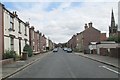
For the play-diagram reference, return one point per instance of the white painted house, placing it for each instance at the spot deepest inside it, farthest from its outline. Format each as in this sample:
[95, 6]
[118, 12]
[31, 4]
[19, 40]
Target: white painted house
[16, 32]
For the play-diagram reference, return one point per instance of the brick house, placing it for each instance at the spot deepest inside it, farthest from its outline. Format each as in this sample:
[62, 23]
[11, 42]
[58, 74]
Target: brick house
[43, 43]
[31, 38]
[79, 42]
[72, 42]
[35, 40]
[90, 34]
[15, 32]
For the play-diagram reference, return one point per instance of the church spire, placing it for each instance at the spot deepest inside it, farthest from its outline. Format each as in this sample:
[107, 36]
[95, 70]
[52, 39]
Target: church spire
[113, 28]
[112, 19]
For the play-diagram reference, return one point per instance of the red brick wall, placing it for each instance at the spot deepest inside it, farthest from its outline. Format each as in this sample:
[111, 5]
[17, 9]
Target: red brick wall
[7, 61]
[31, 37]
[1, 32]
[114, 52]
[43, 43]
[90, 35]
[103, 37]
[104, 52]
[37, 42]
[72, 42]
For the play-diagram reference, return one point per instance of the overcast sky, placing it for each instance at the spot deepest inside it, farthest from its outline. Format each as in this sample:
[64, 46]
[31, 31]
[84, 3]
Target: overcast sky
[60, 20]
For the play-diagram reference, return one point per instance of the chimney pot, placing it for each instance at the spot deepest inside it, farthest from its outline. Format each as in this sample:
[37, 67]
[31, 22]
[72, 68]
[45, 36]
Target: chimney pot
[86, 26]
[90, 24]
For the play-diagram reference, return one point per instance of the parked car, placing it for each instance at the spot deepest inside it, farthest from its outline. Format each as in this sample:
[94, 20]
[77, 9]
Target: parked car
[69, 50]
[55, 50]
[65, 49]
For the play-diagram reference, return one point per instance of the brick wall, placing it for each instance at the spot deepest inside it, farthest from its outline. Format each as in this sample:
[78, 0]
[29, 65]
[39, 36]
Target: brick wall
[103, 37]
[7, 61]
[114, 52]
[90, 35]
[104, 52]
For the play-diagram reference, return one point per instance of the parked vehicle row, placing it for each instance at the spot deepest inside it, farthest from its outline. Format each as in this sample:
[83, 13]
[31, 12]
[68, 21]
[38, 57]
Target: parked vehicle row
[55, 50]
[69, 50]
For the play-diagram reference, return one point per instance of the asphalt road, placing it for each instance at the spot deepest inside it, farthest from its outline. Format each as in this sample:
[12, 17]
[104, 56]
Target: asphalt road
[67, 65]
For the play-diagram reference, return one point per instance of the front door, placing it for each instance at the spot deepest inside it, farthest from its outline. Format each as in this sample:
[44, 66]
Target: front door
[19, 46]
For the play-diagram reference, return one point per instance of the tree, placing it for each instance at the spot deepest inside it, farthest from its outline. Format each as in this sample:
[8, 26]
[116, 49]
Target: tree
[114, 38]
[28, 49]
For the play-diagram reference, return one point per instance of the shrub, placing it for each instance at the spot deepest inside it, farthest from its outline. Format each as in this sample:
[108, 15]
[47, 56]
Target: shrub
[9, 54]
[28, 49]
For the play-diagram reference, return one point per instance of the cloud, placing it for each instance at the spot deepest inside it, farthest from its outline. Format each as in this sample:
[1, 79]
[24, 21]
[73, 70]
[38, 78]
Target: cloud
[60, 21]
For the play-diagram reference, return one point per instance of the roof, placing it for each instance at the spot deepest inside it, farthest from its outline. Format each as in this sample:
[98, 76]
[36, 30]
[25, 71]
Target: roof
[89, 28]
[107, 42]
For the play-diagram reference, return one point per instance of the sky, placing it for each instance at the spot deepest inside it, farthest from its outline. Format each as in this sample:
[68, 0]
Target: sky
[59, 20]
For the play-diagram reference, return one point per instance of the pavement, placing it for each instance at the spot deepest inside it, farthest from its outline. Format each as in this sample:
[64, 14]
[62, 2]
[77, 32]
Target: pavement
[10, 69]
[115, 62]
[52, 66]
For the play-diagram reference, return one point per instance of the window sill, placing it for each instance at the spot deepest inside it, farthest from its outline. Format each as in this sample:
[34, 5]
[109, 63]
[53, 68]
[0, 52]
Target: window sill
[25, 34]
[10, 29]
[19, 32]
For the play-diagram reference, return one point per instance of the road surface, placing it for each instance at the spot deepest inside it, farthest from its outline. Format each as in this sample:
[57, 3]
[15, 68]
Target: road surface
[67, 65]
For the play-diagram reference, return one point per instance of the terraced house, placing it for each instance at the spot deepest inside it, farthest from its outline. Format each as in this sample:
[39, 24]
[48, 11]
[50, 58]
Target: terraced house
[14, 32]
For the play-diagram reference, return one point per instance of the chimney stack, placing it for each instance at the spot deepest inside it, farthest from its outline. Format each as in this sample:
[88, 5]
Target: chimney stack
[15, 14]
[85, 26]
[90, 24]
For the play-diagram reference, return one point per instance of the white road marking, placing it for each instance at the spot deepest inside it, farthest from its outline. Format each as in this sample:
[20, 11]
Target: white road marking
[110, 69]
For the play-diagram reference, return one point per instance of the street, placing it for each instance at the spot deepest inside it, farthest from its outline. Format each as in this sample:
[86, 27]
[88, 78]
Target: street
[67, 65]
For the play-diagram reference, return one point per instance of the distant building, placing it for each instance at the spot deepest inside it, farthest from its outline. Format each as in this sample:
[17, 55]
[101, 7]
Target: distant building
[113, 28]
[43, 43]
[72, 42]
[103, 37]
[32, 38]
[49, 44]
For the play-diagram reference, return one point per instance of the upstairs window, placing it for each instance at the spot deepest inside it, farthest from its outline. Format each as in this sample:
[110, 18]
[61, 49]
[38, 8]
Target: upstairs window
[19, 27]
[25, 30]
[11, 22]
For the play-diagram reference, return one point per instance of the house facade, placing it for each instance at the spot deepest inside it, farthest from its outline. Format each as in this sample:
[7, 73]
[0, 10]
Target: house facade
[79, 42]
[72, 43]
[43, 43]
[15, 32]
[90, 34]
[37, 42]
[32, 38]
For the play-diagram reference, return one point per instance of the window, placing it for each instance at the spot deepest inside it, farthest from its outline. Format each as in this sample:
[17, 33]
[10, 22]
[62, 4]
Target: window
[25, 30]
[12, 43]
[11, 22]
[25, 41]
[19, 27]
